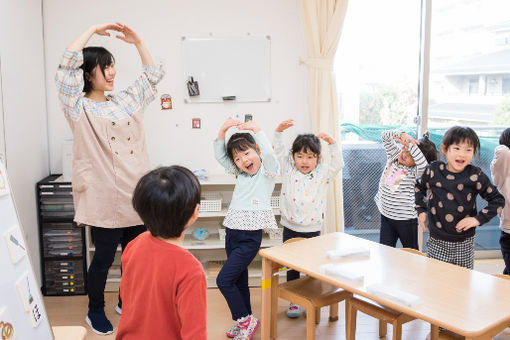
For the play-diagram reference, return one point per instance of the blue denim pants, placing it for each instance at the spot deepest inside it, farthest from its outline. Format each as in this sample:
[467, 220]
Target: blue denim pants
[287, 235]
[106, 241]
[241, 246]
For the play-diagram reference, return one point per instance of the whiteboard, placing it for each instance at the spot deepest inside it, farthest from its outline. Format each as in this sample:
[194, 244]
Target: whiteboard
[22, 311]
[227, 67]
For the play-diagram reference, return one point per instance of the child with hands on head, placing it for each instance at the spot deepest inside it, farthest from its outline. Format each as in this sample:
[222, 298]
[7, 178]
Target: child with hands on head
[500, 169]
[450, 206]
[250, 157]
[305, 179]
[395, 196]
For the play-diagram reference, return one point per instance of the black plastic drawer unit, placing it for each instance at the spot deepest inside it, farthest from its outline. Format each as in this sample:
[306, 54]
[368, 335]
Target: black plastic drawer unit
[62, 243]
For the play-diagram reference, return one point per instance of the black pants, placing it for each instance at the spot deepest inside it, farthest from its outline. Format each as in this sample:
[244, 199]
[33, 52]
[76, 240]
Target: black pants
[287, 235]
[504, 241]
[405, 230]
[106, 242]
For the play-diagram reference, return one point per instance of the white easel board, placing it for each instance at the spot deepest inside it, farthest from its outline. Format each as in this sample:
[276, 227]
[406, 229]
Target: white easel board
[22, 311]
[237, 67]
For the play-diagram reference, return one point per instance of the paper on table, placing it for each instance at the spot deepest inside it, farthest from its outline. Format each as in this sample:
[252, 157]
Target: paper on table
[398, 296]
[340, 271]
[349, 252]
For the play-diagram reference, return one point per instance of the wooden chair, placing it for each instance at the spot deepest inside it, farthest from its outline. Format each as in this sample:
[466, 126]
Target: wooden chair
[384, 314]
[311, 294]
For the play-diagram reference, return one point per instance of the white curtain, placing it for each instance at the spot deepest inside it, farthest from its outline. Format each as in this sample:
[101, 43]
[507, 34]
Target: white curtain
[323, 20]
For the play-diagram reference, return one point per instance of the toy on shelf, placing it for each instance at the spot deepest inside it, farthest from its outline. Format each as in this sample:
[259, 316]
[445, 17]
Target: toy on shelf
[201, 174]
[200, 234]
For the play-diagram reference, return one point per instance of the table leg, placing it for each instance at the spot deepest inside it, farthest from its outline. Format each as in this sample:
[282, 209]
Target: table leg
[265, 319]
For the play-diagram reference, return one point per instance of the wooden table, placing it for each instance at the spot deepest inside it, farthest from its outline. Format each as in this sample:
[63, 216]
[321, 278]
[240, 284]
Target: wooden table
[473, 304]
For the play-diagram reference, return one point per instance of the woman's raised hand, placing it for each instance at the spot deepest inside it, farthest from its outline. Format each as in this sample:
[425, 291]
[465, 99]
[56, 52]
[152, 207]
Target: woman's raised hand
[129, 36]
[102, 29]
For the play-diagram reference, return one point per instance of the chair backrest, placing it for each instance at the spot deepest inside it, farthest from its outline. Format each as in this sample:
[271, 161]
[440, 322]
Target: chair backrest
[295, 239]
[503, 276]
[414, 251]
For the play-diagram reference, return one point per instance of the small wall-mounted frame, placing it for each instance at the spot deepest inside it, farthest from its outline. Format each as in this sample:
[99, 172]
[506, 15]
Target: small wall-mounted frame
[195, 123]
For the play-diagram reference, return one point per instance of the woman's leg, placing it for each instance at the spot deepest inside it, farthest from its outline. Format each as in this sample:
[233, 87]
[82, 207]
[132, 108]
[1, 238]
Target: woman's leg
[105, 242]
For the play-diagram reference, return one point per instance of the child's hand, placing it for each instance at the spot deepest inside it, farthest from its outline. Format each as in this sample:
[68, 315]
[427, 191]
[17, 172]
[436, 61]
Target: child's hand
[327, 138]
[467, 223]
[227, 125]
[285, 125]
[406, 140]
[422, 219]
[249, 125]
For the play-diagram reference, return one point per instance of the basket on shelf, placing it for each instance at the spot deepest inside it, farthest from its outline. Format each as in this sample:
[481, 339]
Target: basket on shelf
[210, 201]
[276, 234]
[221, 234]
[275, 200]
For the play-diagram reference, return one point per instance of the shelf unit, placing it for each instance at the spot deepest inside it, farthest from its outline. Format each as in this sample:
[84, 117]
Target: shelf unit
[62, 243]
[211, 251]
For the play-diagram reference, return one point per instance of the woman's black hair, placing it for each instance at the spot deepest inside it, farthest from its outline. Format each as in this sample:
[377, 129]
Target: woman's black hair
[93, 56]
[166, 199]
[307, 142]
[428, 148]
[504, 139]
[240, 141]
[460, 134]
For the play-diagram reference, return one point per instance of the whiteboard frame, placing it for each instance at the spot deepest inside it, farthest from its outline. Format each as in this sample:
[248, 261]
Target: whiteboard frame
[228, 66]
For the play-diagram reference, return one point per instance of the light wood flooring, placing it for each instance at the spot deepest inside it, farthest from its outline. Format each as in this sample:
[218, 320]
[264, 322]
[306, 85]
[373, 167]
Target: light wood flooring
[71, 311]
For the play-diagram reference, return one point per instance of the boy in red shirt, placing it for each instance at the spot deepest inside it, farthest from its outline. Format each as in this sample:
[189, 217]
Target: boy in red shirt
[163, 285]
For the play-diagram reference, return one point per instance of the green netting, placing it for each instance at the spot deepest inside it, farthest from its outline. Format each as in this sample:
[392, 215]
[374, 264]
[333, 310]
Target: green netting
[489, 136]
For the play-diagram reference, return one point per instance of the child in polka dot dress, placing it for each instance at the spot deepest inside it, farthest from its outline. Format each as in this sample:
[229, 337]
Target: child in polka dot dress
[304, 186]
[446, 197]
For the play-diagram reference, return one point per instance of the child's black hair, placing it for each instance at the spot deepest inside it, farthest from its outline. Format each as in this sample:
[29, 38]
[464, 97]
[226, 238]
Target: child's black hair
[93, 56]
[504, 139]
[428, 148]
[307, 142]
[240, 141]
[166, 199]
[461, 134]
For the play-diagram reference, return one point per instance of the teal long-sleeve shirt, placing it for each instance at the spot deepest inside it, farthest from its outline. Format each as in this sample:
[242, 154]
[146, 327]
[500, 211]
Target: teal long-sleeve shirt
[251, 192]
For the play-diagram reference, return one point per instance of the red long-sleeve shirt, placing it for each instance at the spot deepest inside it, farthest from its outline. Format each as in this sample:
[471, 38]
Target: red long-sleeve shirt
[163, 291]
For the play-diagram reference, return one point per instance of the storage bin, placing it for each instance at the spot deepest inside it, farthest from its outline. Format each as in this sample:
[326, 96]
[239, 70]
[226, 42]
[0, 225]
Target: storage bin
[210, 202]
[275, 200]
[276, 234]
[222, 233]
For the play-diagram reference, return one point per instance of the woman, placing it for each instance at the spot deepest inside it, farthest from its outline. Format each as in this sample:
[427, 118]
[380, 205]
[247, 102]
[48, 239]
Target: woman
[109, 150]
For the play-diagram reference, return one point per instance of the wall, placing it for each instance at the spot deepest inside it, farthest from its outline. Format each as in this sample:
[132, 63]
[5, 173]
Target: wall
[24, 109]
[162, 23]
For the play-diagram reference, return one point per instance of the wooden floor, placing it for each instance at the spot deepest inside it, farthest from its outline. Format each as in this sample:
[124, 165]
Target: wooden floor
[70, 311]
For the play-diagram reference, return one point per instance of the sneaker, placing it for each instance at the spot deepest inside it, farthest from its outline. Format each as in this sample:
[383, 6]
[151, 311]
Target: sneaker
[247, 328]
[233, 331]
[118, 309]
[99, 323]
[294, 311]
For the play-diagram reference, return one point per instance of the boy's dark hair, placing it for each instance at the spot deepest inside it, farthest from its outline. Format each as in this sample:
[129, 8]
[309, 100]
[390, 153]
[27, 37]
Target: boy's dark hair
[93, 56]
[240, 141]
[428, 148]
[504, 139]
[460, 134]
[307, 142]
[166, 199]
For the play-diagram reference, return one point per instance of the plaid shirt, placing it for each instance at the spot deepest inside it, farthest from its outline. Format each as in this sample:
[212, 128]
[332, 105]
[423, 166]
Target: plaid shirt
[109, 150]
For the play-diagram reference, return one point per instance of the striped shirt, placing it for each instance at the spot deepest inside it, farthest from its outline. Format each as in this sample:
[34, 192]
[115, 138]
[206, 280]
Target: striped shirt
[395, 197]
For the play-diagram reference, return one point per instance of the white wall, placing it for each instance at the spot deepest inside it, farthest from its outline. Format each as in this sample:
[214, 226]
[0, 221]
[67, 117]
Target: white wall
[24, 109]
[162, 23]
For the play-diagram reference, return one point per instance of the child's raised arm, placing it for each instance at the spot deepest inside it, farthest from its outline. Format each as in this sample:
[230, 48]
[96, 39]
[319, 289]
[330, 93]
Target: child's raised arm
[220, 152]
[266, 151]
[278, 146]
[336, 163]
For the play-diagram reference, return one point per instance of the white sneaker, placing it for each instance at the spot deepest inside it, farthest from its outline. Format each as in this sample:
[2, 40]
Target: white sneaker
[247, 328]
[118, 309]
[294, 311]
[233, 331]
